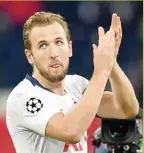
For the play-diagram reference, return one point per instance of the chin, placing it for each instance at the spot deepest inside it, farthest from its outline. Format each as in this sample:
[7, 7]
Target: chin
[56, 78]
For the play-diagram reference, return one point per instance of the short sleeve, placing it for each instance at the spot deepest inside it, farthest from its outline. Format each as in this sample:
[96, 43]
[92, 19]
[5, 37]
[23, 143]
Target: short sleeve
[83, 83]
[37, 111]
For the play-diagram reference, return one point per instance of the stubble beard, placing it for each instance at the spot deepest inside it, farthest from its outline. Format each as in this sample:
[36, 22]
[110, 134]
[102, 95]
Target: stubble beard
[53, 77]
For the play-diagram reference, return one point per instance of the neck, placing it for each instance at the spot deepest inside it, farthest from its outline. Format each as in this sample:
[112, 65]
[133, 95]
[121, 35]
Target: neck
[57, 87]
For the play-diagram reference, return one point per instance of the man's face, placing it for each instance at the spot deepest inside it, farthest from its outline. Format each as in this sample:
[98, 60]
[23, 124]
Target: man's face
[50, 51]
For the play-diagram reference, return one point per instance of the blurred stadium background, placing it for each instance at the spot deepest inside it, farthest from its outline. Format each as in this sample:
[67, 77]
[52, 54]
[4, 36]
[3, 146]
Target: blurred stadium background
[84, 19]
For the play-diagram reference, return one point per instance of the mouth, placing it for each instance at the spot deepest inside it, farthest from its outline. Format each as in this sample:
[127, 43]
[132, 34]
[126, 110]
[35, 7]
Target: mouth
[55, 65]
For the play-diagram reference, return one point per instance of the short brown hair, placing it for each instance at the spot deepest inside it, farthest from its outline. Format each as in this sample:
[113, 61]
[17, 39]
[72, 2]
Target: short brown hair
[43, 18]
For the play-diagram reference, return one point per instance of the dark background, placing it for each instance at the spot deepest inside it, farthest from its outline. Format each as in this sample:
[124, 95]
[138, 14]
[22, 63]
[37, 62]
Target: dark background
[84, 19]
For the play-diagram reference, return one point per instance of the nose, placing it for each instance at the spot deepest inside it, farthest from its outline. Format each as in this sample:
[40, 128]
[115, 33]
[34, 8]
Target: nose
[53, 52]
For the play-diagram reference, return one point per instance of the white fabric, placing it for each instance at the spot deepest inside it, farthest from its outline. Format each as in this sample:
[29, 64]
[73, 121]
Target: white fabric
[27, 129]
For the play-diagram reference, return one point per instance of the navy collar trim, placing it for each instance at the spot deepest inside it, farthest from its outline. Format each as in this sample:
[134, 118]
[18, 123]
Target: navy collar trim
[35, 82]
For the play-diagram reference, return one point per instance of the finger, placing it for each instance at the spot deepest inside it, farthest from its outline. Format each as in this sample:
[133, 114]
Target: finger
[113, 21]
[101, 33]
[94, 46]
[116, 21]
[119, 27]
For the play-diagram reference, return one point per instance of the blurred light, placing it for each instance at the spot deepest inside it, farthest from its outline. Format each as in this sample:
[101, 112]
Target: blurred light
[123, 9]
[5, 23]
[88, 12]
[20, 11]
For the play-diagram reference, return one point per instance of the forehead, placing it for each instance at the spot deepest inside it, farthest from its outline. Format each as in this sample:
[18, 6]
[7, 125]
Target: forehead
[48, 32]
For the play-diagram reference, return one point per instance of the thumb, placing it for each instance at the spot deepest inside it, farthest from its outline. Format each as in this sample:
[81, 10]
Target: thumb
[101, 33]
[94, 47]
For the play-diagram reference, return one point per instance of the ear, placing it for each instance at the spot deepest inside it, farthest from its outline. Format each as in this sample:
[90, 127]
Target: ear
[70, 49]
[29, 56]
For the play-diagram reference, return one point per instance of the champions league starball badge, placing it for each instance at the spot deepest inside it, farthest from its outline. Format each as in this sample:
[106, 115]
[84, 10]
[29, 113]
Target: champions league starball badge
[34, 105]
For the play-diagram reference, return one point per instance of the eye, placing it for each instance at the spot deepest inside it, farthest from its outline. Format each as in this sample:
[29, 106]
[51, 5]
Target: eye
[43, 46]
[59, 42]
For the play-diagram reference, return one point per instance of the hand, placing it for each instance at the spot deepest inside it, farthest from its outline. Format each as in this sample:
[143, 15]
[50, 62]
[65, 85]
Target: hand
[104, 54]
[116, 26]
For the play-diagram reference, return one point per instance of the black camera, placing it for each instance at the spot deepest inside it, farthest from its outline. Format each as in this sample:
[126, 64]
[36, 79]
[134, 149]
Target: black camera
[120, 135]
[118, 131]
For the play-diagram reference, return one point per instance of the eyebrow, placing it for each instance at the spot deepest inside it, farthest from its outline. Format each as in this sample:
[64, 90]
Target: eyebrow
[59, 38]
[42, 41]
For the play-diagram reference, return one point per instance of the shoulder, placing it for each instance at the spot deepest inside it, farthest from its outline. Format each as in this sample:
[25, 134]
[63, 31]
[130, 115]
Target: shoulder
[21, 96]
[25, 93]
[77, 82]
[76, 79]
[22, 89]
[26, 99]
[17, 97]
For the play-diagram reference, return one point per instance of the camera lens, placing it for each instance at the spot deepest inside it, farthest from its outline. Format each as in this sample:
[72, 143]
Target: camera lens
[118, 131]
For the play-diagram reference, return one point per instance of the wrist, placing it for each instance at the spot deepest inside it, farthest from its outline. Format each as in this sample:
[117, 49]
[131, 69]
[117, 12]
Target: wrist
[103, 75]
[114, 69]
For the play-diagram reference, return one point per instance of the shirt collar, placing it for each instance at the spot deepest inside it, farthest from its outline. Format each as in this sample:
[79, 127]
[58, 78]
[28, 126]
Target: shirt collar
[35, 82]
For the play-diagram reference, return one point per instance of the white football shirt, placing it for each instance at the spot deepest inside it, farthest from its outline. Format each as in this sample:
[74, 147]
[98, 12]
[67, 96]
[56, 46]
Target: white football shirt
[29, 108]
